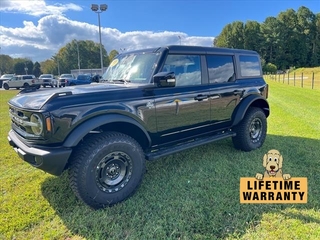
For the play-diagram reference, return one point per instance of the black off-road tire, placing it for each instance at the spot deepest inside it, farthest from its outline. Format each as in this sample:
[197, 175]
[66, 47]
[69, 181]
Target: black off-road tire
[6, 86]
[251, 131]
[26, 85]
[106, 168]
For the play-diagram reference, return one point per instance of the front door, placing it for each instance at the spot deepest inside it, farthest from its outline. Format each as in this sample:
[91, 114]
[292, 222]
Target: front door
[15, 82]
[183, 110]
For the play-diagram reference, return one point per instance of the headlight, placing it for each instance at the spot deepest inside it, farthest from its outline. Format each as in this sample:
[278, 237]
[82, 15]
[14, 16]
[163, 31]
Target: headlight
[37, 126]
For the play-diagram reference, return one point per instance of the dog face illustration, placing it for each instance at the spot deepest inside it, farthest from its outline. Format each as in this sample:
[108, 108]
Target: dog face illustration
[272, 161]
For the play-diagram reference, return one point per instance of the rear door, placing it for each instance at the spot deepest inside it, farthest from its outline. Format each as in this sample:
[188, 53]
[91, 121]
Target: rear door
[225, 93]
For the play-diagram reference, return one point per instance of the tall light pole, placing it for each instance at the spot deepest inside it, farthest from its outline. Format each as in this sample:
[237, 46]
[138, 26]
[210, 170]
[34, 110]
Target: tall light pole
[95, 8]
[78, 56]
[1, 63]
[26, 68]
[58, 66]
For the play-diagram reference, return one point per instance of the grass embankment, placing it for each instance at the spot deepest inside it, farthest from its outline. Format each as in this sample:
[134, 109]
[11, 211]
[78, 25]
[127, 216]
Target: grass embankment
[190, 195]
[300, 77]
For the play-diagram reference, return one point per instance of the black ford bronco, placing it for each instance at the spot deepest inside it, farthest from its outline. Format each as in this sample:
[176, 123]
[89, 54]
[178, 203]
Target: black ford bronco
[151, 103]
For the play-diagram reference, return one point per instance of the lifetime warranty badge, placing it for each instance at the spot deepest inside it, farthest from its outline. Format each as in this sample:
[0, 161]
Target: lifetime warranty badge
[273, 186]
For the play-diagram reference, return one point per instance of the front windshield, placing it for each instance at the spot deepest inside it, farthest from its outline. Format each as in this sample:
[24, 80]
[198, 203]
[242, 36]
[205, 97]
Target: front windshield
[45, 76]
[66, 76]
[131, 67]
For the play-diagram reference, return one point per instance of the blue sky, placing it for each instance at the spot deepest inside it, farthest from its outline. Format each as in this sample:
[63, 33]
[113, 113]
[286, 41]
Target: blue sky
[38, 29]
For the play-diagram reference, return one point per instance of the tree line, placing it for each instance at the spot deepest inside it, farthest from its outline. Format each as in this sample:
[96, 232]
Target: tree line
[290, 40]
[18, 65]
[75, 54]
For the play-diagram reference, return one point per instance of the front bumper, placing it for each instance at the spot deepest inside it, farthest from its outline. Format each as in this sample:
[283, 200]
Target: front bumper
[49, 159]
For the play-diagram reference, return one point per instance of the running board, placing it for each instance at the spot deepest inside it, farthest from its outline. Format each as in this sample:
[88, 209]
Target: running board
[190, 144]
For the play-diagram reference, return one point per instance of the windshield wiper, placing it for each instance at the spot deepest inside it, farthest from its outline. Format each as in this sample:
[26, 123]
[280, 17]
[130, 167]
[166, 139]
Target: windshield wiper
[120, 80]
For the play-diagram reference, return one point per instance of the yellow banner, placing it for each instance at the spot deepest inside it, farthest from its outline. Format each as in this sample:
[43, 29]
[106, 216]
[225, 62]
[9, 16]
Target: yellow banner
[274, 190]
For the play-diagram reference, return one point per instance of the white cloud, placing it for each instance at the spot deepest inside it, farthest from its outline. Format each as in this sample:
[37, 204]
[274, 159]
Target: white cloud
[36, 7]
[40, 41]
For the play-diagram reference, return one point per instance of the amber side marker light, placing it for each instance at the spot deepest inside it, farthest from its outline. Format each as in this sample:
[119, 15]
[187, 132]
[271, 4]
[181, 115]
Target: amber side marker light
[48, 124]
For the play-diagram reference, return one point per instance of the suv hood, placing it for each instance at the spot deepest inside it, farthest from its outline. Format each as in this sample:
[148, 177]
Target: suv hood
[37, 99]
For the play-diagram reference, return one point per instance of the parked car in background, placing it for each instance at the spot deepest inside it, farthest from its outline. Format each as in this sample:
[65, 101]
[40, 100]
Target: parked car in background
[95, 78]
[80, 80]
[48, 80]
[63, 77]
[5, 77]
[22, 81]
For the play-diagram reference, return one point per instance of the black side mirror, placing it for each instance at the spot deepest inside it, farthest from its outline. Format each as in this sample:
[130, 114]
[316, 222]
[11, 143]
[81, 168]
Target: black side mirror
[165, 79]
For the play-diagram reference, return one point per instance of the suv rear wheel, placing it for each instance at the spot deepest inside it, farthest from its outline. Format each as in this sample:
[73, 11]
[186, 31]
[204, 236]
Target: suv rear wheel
[106, 169]
[251, 131]
[6, 86]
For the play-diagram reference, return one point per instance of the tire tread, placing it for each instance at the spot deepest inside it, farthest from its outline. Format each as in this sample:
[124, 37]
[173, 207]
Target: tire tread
[80, 154]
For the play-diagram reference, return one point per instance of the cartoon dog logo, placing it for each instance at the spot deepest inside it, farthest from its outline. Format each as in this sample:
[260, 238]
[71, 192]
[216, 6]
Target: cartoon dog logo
[272, 162]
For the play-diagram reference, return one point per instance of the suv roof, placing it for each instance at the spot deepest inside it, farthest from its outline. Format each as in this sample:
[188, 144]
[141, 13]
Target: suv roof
[25, 76]
[194, 49]
[7, 75]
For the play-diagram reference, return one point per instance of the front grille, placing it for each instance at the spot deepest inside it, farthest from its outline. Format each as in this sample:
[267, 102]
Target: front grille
[21, 122]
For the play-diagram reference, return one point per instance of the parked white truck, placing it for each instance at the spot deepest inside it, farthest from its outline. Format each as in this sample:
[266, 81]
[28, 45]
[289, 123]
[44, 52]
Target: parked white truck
[22, 81]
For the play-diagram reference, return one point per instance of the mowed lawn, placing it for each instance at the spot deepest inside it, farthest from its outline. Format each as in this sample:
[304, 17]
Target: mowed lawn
[189, 195]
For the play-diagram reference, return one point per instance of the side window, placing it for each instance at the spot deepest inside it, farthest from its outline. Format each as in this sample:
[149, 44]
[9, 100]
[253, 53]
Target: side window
[186, 69]
[249, 66]
[220, 68]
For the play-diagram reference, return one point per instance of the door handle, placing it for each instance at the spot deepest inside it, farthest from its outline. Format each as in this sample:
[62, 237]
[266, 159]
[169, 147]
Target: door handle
[238, 92]
[200, 97]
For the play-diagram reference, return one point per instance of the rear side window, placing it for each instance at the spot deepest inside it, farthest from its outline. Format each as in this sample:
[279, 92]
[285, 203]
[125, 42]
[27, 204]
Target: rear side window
[249, 66]
[220, 68]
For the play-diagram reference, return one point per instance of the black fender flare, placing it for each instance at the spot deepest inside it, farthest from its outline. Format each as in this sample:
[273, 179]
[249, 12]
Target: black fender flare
[249, 101]
[84, 128]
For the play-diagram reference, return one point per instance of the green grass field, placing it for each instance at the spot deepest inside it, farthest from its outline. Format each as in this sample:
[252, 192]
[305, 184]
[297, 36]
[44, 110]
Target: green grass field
[190, 195]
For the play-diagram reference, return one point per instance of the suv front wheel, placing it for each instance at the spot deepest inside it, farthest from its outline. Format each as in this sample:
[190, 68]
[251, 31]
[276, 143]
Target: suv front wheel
[251, 131]
[106, 169]
[6, 86]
